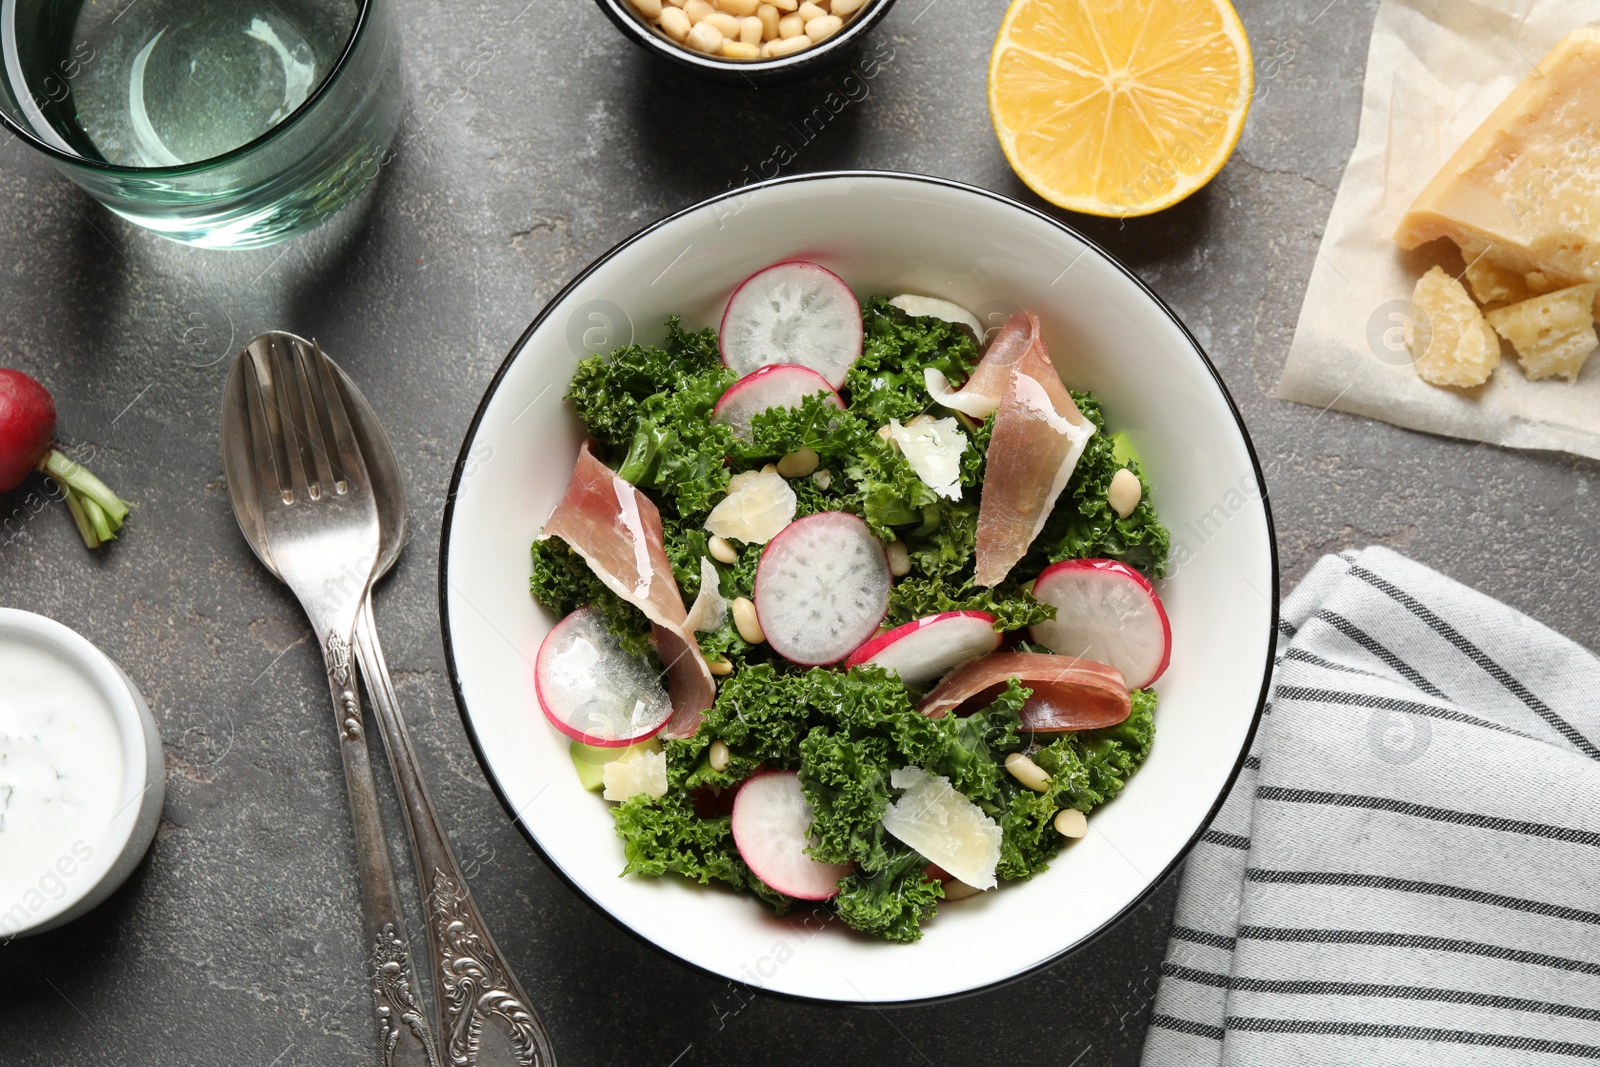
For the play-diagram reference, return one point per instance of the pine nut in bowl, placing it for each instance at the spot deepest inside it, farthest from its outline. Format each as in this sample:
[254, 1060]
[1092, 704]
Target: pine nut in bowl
[746, 41]
[1200, 639]
[81, 780]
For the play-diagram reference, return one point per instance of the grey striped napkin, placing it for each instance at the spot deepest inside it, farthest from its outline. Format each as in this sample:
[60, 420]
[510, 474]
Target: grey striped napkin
[1408, 870]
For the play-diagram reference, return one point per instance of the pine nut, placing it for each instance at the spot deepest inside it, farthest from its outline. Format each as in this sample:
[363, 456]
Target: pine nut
[784, 5]
[845, 8]
[705, 37]
[697, 10]
[823, 479]
[1027, 772]
[1071, 823]
[750, 30]
[675, 24]
[726, 23]
[722, 550]
[956, 889]
[1124, 492]
[792, 26]
[899, 558]
[735, 49]
[808, 11]
[770, 468]
[884, 432]
[650, 9]
[799, 463]
[719, 666]
[718, 755]
[769, 21]
[745, 621]
[738, 8]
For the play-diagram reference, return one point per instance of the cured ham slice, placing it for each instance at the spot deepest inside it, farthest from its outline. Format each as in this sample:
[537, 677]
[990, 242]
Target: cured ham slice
[981, 394]
[1039, 435]
[1068, 693]
[617, 531]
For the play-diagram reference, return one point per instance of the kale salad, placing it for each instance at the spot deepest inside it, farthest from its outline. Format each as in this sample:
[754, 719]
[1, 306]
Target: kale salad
[855, 607]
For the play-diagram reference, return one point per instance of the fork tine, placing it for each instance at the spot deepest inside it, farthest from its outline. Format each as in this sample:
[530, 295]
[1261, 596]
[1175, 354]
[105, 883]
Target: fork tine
[291, 415]
[343, 448]
[263, 435]
[313, 422]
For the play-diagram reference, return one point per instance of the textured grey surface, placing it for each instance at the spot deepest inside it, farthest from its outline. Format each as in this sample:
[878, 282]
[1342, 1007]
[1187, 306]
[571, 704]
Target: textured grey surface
[533, 144]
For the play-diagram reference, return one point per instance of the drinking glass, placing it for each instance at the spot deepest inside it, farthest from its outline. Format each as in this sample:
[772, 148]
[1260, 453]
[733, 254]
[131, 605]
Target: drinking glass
[219, 123]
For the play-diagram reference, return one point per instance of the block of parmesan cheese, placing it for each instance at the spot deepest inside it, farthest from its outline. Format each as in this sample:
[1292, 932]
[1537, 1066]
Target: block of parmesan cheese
[1523, 191]
[1450, 343]
[1553, 334]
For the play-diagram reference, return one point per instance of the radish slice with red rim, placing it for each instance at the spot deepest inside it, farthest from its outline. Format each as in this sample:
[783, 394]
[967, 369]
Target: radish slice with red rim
[777, 385]
[593, 691]
[771, 826]
[822, 588]
[930, 647]
[793, 312]
[1108, 612]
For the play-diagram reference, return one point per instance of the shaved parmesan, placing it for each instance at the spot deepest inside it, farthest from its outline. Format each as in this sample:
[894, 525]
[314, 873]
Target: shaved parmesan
[933, 307]
[759, 504]
[709, 610]
[934, 449]
[943, 825]
[638, 771]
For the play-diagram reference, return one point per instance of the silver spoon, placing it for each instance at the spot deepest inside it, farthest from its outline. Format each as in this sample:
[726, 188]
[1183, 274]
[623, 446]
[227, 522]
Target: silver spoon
[473, 986]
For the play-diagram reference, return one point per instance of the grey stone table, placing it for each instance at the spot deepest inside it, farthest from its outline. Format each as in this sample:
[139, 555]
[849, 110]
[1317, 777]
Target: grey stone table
[535, 139]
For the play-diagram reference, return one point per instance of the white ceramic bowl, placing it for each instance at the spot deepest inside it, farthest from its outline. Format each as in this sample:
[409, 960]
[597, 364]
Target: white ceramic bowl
[883, 233]
[97, 851]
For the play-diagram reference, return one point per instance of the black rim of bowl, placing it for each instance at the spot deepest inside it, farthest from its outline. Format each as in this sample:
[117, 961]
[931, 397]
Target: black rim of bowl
[623, 245]
[634, 28]
[363, 9]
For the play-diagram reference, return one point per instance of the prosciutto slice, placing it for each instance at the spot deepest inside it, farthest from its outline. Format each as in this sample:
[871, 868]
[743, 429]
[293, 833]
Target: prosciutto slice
[1068, 693]
[1039, 435]
[617, 531]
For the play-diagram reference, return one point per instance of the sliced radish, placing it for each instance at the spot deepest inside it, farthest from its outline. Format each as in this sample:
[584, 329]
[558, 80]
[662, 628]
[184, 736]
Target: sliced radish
[822, 588]
[930, 647]
[777, 385]
[1105, 611]
[794, 312]
[772, 828]
[592, 690]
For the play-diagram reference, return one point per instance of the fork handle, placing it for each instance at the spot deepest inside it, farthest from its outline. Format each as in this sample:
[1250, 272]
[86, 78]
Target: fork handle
[473, 987]
[405, 1038]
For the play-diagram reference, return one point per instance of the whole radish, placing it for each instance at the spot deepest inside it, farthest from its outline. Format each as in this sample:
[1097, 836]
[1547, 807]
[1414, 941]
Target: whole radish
[27, 433]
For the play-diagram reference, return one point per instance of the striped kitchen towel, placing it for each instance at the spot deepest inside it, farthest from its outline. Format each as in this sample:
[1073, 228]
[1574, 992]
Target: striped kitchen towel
[1408, 870]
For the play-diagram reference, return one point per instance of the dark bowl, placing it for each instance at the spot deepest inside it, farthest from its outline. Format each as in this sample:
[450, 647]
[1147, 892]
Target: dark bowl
[749, 72]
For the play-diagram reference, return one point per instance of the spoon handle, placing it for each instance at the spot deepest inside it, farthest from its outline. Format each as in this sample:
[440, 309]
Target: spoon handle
[473, 987]
[403, 1031]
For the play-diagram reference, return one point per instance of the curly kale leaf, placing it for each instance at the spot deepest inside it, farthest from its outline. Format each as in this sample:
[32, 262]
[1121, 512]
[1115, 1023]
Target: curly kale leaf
[874, 729]
[1083, 525]
[651, 407]
[892, 902]
[887, 381]
[1086, 769]
[666, 835]
[1012, 606]
[563, 582]
[759, 714]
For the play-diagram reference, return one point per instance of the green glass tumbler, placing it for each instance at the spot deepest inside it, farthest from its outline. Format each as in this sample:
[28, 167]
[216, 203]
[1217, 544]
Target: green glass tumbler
[218, 123]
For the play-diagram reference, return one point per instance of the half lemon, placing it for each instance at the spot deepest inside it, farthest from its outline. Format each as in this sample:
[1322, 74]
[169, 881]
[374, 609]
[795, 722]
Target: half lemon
[1119, 107]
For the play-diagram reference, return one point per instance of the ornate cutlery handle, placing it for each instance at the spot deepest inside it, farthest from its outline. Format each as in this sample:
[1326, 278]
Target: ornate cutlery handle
[403, 1031]
[473, 986]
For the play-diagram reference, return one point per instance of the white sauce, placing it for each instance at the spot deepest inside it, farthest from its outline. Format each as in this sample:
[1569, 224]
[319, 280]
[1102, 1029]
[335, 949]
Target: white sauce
[60, 777]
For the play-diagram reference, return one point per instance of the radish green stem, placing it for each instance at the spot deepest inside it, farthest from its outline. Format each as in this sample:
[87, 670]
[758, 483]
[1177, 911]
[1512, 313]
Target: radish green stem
[85, 530]
[74, 476]
[97, 511]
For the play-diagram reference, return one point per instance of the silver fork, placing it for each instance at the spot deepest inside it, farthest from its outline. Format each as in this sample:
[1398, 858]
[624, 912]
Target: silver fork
[318, 527]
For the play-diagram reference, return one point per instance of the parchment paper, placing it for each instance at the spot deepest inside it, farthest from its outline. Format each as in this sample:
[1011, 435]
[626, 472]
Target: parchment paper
[1435, 70]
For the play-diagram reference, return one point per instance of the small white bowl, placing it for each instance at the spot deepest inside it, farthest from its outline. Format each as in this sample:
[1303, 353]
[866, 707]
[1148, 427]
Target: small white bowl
[882, 233]
[83, 859]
